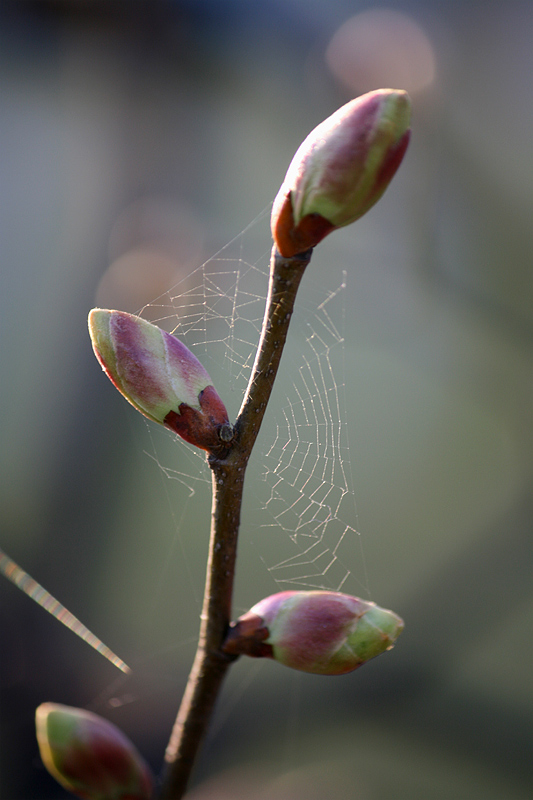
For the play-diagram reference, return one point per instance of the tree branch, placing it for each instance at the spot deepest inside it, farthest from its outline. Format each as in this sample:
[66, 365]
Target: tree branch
[210, 663]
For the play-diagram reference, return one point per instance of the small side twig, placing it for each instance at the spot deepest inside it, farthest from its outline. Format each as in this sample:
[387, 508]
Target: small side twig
[210, 663]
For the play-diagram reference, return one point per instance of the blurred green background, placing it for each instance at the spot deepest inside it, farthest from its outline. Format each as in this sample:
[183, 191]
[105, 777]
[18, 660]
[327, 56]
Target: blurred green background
[138, 138]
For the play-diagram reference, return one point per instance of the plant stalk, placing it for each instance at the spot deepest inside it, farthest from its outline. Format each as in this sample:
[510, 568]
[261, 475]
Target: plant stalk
[210, 663]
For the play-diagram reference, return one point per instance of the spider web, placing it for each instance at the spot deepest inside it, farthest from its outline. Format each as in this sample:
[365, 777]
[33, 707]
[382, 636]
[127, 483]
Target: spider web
[302, 516]
[299, 512]
[307, 466]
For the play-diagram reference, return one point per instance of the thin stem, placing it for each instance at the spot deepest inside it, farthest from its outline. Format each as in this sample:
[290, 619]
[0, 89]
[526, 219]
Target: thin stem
[285, 277]
[210, 663]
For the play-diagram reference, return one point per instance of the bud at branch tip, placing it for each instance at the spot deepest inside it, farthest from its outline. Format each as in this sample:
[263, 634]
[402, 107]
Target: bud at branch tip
[341, 169]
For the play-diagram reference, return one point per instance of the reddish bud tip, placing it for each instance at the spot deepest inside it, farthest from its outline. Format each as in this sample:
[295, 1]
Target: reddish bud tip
[341, 169]
[159, 376]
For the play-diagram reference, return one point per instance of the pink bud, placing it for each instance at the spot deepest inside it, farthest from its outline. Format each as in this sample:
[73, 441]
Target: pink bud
[327, 633]
[90, 756]
[158, 375]
[341, 169]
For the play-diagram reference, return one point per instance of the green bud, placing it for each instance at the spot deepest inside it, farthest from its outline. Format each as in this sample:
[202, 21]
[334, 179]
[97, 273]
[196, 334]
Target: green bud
[160, 377]
[341, 169]
[90, 756]
[327, 633]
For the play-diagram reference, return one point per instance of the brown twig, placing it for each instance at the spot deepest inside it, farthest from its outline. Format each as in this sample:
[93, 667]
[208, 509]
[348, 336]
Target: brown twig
[210, 663]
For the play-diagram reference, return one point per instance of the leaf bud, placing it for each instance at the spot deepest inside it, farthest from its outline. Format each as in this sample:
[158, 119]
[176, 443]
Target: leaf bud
[160, 377]
[90, 756]
[327, 633]
[341, 169]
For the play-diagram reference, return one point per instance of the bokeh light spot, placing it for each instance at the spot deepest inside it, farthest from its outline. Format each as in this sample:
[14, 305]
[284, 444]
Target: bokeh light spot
[153, 245]
[135, 278]
[381, 48]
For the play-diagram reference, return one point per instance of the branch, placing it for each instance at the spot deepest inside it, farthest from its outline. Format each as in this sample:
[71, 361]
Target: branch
[210, 663]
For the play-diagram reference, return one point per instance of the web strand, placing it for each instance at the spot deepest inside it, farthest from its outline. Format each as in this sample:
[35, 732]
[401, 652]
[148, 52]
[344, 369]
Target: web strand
[38, 593]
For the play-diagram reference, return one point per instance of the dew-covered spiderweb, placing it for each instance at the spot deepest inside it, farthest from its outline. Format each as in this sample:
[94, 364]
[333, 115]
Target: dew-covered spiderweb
[299, 512]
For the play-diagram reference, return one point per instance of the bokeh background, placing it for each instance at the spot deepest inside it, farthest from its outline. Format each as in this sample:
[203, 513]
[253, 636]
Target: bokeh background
[137, 139]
